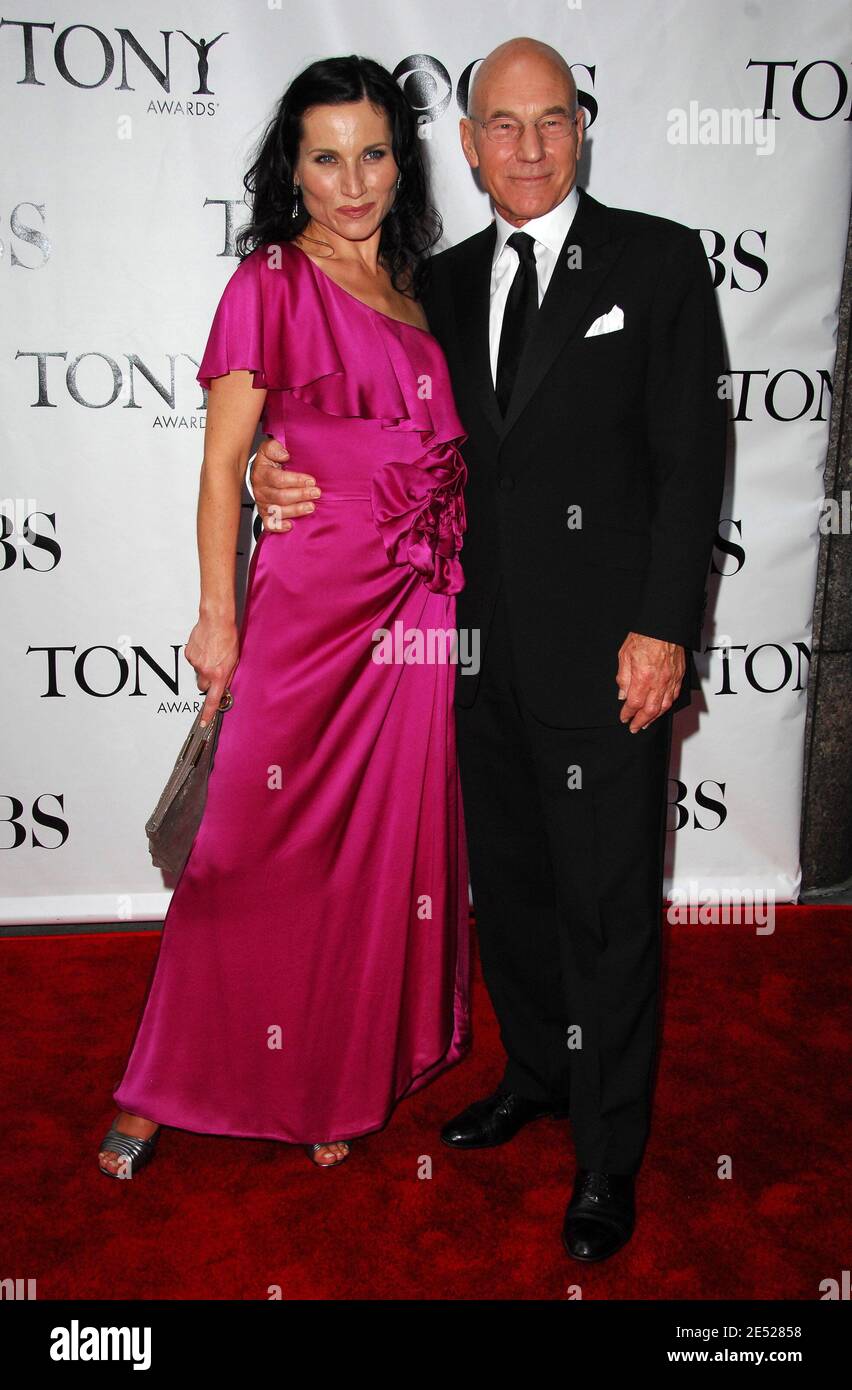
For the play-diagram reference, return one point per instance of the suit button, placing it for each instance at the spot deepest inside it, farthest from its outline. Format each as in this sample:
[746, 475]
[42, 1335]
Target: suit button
[506, 484]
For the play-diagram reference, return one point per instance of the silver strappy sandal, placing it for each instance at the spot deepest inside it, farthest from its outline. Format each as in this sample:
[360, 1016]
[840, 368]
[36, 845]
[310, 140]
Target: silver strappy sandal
[136, 1152]
[311, 1150]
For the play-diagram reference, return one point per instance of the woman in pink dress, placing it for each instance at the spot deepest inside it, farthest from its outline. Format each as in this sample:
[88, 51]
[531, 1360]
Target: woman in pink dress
[313, 968]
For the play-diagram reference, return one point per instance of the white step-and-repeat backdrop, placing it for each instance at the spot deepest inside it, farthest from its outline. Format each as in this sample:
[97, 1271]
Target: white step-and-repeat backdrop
[127, 127]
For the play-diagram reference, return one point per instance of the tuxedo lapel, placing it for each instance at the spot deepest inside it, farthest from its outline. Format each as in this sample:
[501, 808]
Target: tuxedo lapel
[472, 295]
[577, 277]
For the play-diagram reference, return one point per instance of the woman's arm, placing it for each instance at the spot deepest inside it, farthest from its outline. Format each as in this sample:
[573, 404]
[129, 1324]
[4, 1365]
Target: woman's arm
[234, 408]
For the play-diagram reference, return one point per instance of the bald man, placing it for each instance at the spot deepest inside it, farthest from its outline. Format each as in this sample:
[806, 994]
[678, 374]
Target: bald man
[585, 350]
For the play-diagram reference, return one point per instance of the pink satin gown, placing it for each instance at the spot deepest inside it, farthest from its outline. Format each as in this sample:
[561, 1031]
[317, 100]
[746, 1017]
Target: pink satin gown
[314, 967]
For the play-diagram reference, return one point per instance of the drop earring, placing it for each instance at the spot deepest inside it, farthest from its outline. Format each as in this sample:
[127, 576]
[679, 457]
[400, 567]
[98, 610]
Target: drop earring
[295, 211]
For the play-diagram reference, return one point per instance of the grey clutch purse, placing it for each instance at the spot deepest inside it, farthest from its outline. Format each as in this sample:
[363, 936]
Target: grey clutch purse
[173, 824]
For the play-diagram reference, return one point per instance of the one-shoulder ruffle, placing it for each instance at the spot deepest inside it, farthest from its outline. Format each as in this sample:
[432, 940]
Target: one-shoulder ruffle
[276, 319]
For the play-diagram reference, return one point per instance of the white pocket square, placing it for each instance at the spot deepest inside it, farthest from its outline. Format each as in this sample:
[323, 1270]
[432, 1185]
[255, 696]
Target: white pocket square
[607, 323]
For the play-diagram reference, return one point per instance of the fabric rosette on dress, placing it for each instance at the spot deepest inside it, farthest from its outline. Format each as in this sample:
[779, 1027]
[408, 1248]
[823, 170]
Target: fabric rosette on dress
[419, 511]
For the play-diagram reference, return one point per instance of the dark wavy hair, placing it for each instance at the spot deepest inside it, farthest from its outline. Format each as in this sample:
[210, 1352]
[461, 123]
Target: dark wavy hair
[412, 226]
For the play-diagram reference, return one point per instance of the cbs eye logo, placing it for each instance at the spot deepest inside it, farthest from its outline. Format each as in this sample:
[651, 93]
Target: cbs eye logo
[426, 84]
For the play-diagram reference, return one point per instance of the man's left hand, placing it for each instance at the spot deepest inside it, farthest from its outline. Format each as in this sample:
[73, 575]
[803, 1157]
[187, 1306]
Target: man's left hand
[649, 678]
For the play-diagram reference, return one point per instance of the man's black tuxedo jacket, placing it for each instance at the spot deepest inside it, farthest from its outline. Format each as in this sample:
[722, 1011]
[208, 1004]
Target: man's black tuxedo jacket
[628, 426]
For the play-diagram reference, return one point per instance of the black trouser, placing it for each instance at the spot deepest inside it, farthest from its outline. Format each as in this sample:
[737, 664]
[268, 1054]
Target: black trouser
[567, 885]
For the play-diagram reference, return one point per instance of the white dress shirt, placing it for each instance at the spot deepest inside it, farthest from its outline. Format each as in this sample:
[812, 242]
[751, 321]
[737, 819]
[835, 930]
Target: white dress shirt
[549, 232]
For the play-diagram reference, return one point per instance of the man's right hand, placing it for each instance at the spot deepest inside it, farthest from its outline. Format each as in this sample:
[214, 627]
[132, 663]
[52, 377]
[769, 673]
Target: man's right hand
[279, 493]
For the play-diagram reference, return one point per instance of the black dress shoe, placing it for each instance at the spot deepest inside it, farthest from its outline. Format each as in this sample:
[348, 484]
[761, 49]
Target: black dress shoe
[496, 1120]
[600, 1216]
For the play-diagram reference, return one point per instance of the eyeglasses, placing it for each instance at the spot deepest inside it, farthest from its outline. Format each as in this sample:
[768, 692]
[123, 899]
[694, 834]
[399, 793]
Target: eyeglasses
[505, 130]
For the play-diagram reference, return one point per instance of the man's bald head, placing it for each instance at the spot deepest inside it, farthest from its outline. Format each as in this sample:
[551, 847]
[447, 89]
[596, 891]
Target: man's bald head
[515, 90]
[517, 57]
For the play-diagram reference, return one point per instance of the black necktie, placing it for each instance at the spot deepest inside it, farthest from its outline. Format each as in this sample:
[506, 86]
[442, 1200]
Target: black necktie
[518, 318]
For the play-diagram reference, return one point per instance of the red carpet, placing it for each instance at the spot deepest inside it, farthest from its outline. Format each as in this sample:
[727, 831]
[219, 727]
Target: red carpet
[754, 1065]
